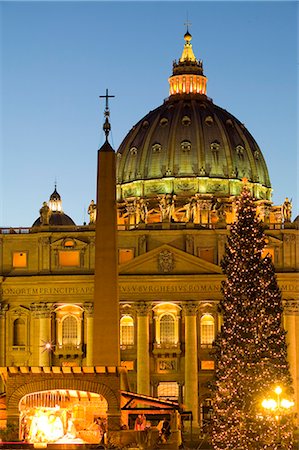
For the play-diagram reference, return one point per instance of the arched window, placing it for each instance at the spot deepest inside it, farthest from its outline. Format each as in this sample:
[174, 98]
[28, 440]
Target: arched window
[167, 329]
[69, 331]
[207, 330]
[126, 330]
[19, 334]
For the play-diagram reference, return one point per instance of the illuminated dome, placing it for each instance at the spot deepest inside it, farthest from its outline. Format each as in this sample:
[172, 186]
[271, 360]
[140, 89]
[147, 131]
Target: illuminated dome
[189, 146]
[51, 214]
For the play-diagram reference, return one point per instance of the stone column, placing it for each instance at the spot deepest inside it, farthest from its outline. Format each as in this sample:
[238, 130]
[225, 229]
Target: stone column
[143, 358]
[88, 338]
[42, 312]
[191, 360]
[291, 321]
[3, 309]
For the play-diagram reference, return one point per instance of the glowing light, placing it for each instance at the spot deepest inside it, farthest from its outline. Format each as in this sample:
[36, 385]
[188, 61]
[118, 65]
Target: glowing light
[278, 390]
[269, 404]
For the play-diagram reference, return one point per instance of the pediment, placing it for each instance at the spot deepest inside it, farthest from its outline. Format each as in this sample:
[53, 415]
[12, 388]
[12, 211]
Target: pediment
[68, 243]
[273, 240]
[167, 260]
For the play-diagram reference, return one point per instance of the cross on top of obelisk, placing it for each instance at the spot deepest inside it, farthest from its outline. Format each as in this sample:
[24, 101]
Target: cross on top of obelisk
[106, 126]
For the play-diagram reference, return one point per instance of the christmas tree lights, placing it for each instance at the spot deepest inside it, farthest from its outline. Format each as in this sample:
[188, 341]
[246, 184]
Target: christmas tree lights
[250, 350]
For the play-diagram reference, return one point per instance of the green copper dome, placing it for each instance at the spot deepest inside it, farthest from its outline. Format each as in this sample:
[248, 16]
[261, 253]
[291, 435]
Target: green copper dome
[189, 146]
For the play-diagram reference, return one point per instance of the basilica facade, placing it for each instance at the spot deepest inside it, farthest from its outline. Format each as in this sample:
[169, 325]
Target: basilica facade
[179, 171]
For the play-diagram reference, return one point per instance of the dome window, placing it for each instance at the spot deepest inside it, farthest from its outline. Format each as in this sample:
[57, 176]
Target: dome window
[209, 120]
[157, 148]
[163, 122]
[145, 124]
[186, 146]
[215, 146]
[240, 151]
[186, 121]
[133, 151]
[256, 155]
[229, 122]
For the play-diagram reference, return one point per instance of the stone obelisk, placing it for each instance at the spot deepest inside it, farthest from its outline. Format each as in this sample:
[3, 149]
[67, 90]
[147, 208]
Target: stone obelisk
[106, 350]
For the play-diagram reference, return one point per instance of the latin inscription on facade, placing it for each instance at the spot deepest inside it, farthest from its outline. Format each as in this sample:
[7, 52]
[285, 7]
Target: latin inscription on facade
[51, 290]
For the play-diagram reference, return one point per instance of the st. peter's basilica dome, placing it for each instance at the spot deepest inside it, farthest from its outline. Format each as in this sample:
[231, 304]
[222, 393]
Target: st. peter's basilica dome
[189, 148]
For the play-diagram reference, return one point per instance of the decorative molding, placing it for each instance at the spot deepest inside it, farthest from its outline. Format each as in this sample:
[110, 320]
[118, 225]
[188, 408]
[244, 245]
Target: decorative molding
[142, 308]
[3, 310]
[166, 261]
[41, 310]
[88, 309]
[291, 307]
[190, 308]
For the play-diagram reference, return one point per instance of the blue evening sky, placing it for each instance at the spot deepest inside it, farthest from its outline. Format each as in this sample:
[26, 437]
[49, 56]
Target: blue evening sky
[58, 57]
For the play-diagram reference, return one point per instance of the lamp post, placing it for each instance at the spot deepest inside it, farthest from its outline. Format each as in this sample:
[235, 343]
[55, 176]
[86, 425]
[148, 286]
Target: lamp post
[279, 407]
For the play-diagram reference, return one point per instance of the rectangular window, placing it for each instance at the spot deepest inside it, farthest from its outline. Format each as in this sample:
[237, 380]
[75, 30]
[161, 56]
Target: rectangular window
[69, 259]
[19, 260]
[129, 365]
[125, 255]
[207, 254]
[207, 365]
[168, 390]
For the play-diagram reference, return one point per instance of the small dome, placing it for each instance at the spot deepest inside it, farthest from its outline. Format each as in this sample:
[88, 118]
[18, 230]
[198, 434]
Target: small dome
[56, 219]
[51, 213]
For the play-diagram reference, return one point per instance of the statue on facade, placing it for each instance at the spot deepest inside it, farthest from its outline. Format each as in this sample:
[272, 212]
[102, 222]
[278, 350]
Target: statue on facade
[141, 210]
[92, 211]
[218, 210]
[45, 214]
[191, 210]
[167, 207]
[287, 210]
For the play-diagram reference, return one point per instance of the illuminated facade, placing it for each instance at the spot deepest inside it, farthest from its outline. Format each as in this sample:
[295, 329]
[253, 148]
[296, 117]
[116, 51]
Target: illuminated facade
[179, 171]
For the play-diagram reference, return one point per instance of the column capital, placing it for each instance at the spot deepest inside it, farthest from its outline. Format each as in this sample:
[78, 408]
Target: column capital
[190, 308]
[3, 309]
[88, 309]
[41, 310]
[291, 307]
[142, 308]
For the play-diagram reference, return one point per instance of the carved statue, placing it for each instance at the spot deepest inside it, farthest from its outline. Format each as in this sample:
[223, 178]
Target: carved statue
[45, 214]
[142, 210]
[287, 210]
[92, 211]
[219, 210]
[167, 207]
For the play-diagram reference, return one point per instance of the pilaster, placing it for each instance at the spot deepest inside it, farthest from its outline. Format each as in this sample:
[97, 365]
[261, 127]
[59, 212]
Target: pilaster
[143, 358]
[191, 359]
[41, 313]
[291, 322]
[3, 309]
[88, 317]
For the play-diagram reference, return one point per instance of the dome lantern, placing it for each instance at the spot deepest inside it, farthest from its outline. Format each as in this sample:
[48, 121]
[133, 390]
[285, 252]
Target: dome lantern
[187, 76]
[55, 203]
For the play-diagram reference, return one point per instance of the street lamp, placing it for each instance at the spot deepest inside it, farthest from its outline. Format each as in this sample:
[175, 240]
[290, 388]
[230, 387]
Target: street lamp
[279, 407]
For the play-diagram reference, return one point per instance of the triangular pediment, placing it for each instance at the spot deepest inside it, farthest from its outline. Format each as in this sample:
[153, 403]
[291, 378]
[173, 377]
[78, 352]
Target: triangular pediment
[68, 243]
[168, 260]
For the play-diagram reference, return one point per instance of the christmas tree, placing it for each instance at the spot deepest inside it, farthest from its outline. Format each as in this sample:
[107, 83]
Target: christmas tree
[250, 350]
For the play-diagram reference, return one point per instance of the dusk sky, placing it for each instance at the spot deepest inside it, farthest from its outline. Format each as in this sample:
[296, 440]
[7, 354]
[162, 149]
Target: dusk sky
[58, 57]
